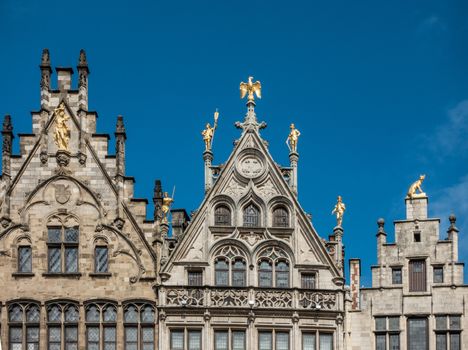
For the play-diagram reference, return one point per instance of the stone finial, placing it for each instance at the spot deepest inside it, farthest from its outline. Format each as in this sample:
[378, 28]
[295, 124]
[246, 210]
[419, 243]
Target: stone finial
[7, 126]
[120, 127]
[45, 59]
[453, 220]
[158, 195]
[381, 224]
[82, 62]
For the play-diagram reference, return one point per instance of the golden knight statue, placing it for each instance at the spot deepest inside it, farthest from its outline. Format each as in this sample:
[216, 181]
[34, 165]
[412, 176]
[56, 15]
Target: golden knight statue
[166, 206]
[339, 210]
[62, 131]
[250, 88]
[208, 133]
[293, 136]
[416, 186]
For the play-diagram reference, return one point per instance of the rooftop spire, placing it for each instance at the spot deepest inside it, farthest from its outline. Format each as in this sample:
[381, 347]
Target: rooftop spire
[250, 89]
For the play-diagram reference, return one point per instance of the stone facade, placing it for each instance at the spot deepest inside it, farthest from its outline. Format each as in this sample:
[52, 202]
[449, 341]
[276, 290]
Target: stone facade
[82, 267]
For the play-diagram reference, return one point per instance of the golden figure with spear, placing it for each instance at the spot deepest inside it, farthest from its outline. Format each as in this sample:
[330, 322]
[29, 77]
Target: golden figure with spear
[208, 133]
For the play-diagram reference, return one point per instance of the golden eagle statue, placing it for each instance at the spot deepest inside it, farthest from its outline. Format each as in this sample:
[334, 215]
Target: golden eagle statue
[250, 88]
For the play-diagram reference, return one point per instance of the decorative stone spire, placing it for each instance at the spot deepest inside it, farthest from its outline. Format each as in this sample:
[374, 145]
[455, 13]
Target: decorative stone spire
[250, 89]
[381, 239]
[46, 70]
[7, 133]
[83, 72]
[120, 137]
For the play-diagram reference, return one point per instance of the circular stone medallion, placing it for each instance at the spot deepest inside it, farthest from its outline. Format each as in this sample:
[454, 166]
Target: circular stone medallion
[250, 166]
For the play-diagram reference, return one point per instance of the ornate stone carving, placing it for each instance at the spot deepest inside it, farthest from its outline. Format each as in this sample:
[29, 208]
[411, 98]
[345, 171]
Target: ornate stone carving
[229, 297]
[273, 299]
[317, 300]
[251, 237]
[63, 158]
[250, 167]
[268, 190]
[234, 189]
[62, 193]
[183, 297]
[44, 157]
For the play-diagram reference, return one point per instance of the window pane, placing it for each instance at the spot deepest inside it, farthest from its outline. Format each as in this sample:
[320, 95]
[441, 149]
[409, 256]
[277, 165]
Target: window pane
[381, 342]
[221, 340]
[32, 315]
[24, 259]
[71, 259]
[238, 340]
[308, 341]
[441, 322]
[93, 334]
[110, 315]
[54, 234]
[131, 314]
[251, 216]
[380, 323]
[147, 334]
[221, 273]
[101, 259]
[109, 334]
[455, 341]
[32, 334]
[394, 342]
[55, 334]
[16, 334]
[417, 279]
[438, 274]
[441, 342]
[55, 314]
[71, 334]
[177, 340]
[282, 279]
[147, 314]
[92, 314]
[71, 234]
[308, 280]
[222, 216]
[195, 278]
[394, 323]
[194, 340]
[55, 260]
[71, 314]
[280, 217]
[326, 341]
[264, 341]
[455, 322]
[131, 334]
[238, 278]
[396, 276]
[417, 334]
[16, 314]
[282, 341]
[265, 279]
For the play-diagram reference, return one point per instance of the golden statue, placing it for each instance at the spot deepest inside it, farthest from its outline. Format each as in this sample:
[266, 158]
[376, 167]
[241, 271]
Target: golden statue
[416, 186]
[166, 205]
[62, 132]
[208, 133]
[293, 136]
[250, 88]
[339, 210]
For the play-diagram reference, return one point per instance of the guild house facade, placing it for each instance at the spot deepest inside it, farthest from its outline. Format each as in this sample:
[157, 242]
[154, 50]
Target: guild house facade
[81, 266]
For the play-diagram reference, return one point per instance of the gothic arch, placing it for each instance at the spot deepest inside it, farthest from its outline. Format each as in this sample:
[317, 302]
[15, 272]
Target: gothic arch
[274, 244]
[219, 245]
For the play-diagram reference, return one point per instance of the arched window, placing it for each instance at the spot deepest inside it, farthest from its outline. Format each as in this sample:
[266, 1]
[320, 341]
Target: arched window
[23, 321]
[24, 259]
[251, 216]
[139, 326]
[282, 274]
[280, 217]
[62, 319]
[101, 324]
[238, 273]
[273, 268]
[221, 272]
[230, 267]
[265, 274]
[222, 216]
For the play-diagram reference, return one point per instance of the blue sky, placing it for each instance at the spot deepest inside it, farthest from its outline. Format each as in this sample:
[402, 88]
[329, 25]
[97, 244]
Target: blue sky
[379, 90]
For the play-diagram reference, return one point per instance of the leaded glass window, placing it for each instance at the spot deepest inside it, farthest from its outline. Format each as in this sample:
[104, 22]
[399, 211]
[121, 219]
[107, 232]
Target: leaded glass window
[101, 259]
[101, 326]
[308, 341]
[448, 329]
[280, 217]
[177, 340]
[387, 333]
[221, 272]
[194, 340]
[282, 274]
[265, 341]
[396, 275]
[238, 340]
[62, 319]
[251, 216]
[222, 216]
[417, 334]
[273, 268]
[229, 340]
[438, 274]
[23, 321]
[139, 326]
[24, 259]
[221, 340]
[62, 244]
[265, 274]
[282, 341]
[238, 273]
[326, 341]
[195, 278]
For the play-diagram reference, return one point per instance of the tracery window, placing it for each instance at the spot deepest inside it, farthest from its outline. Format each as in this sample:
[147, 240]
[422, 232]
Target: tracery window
[24, 259]
[251, 216]
[62, 246]
[222, 215]
[273, 268]
[230, 267]
[62, 326]
[101, 326]
[139, 326]
[280, 217]
[23, 322]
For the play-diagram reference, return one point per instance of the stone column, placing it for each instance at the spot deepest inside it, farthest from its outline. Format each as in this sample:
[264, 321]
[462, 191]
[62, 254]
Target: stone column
[208, 158]
[453, 236]
[83, 72]
[381, 240]
[293, 158]
[120, 137]
[46, 70]
[7, 134]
